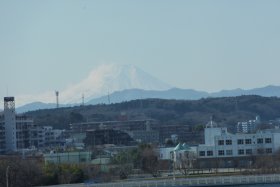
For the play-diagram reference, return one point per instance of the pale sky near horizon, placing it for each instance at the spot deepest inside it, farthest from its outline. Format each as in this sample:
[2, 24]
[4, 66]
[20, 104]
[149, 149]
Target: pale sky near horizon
[203, 45]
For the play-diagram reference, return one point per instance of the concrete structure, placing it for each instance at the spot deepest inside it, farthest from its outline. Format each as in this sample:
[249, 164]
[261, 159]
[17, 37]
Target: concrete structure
[107, 136]
[15, 130]
[145, 136]
[140, 130]
[220, 144]
[146, 130]
[10, 124]
[248, 126]
[184, 156]
[181, 131]
[126, 125]
[166, 153]
[18, 132]
[52, 137]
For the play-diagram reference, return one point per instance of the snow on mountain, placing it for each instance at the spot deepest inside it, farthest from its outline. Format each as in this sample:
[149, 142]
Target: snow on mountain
[105, 79]
[110, 78]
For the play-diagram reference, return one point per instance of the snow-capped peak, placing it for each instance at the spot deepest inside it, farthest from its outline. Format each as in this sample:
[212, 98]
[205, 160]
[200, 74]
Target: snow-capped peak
[106, 78]
[109, 78]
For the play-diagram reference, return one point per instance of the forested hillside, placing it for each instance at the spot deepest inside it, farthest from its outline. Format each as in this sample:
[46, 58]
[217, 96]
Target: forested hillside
[226, 111]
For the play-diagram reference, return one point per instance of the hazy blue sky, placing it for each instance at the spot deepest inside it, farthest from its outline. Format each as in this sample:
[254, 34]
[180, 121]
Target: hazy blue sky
[204, 45]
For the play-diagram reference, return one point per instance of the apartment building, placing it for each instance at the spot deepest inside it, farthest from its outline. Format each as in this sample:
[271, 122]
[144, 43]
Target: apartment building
[18, 132]
[15, 130]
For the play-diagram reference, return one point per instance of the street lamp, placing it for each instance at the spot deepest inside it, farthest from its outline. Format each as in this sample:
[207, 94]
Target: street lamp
[7, 176]
[174, 162]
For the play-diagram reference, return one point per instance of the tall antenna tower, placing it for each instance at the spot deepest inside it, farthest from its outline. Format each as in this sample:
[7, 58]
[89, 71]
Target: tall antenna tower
[83, 100]
[109, 101]
[57, 101]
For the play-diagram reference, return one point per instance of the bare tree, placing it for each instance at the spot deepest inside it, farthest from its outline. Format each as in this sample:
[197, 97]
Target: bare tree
[21, 173]
[186, 162]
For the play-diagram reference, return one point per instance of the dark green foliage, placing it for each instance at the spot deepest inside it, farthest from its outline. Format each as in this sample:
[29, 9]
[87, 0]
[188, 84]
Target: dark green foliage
[27, 173]
[22, 173]
[76, 117]
[226, 111]
[198, 128]
[144, 157]
[62, 174]
[170, 143]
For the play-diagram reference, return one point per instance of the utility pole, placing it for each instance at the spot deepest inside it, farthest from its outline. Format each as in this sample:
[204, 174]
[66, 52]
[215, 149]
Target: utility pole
[57, 101]
[109, 101]
[7, 176]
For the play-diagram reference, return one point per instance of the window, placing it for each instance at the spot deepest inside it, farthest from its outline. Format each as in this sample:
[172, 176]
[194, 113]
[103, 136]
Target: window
[260, 151]
[268, 140]
[268, 150]
[201, 153]
[240, 141]
[249, 151]
[221, 142]
[221, 152]
[259, 140]
[248, 141]
[241, 151]
[209, 153]
[229, 152]
[228, 142]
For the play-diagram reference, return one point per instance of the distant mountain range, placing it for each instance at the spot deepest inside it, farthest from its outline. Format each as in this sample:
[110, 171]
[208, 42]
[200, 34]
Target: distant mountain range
[174, 93]
[107, 78]
[124, 83]
[184, 94]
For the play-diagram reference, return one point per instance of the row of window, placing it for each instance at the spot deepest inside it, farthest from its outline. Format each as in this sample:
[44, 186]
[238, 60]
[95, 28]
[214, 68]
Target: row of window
[260, 140]
[222, 142]
[209, 153]
[240, 152]
[246, 141]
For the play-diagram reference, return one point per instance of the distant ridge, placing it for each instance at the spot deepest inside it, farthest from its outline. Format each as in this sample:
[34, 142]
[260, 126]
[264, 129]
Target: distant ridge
[174, 93]
[267, 91]
[37, 106]
[104, 79]
[132, 94]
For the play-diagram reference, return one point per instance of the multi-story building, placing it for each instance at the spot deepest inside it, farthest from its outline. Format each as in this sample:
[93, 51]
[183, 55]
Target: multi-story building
[129, 125]
[221, 144]
[15, 130]
[19, 132]
[107, 136]
[182, 132]
[52, 137]
[140, 130]
[248, 126]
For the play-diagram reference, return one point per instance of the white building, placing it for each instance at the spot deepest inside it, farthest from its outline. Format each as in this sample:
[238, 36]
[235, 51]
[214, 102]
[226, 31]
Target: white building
[248, 126]
[18, 132]
[15, 130]
[220, 143]
[166, 153]
[52, 137]
[182, 156]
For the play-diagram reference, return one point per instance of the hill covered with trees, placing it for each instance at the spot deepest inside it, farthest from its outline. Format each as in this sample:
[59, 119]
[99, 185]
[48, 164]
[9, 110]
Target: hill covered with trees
[227, 111]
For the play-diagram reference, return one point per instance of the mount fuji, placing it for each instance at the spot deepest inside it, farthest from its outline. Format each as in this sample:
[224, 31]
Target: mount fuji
[110, 78]
[114, 83]
[103, 80]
